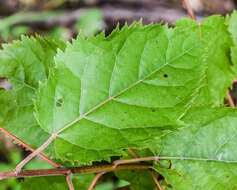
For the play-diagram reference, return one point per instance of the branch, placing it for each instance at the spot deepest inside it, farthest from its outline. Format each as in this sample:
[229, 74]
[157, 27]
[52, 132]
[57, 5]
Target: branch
[152, 158]
[77, 170]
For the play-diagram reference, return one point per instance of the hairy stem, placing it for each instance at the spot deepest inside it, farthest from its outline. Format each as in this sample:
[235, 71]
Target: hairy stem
[76, 170]
[28, 147]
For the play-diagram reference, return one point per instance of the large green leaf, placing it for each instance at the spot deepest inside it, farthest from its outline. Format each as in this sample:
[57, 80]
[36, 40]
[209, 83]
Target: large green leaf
[203, 155]
[24, 64]
[104, 90]
[108, 94]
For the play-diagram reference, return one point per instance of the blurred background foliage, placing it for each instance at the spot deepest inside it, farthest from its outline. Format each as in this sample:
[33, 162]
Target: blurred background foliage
[64, 19]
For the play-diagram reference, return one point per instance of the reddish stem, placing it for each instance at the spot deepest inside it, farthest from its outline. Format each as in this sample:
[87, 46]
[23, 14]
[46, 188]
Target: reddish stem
[151, 172]
[230, 100]
[97, 177]
[77, 170]
[118, 162]
[35, 153]
[189, 9]
[28, 147]
[156, 180]
[69, 181]
[132, 153]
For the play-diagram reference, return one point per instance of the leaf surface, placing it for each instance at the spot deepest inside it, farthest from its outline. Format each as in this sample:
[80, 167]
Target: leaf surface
[103, 91]
[24, 64]
[141, 80]
[203, 156]
[57, 182]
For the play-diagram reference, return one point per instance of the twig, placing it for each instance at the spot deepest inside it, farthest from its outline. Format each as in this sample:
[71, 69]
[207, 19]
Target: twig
[97, 177]
[33, 154]
[69, 180]
[77, 170]
[230, 100]
[132, 153]
[28, 147]
[156, 180]
[189, 9]
[118, 162]
[151, 172]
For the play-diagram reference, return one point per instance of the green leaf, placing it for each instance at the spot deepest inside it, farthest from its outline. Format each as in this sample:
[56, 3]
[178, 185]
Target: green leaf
[57, 182]
[24, 64]
[203, 156]
[200, 175]
[103, 90]
[137, 81]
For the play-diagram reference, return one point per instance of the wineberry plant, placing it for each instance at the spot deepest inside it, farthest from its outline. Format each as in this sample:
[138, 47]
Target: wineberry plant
[151, 92]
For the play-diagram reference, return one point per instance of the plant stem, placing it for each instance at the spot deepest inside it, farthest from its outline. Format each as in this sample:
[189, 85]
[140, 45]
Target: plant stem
[132, 153]
[33, 154]
[97, 177]
[156, 180]
[28, 147]
[77, 170]
[230, 100]
[118, 162]
[69, 180]
[151, 171]
[189, 9]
